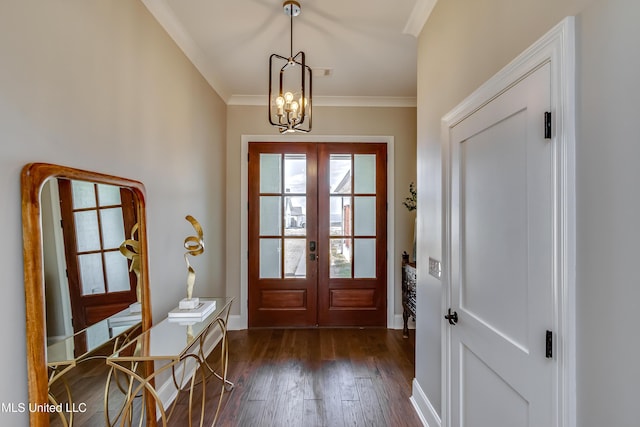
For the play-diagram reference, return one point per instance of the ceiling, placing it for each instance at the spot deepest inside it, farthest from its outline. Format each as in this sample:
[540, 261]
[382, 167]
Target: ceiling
[368, 46]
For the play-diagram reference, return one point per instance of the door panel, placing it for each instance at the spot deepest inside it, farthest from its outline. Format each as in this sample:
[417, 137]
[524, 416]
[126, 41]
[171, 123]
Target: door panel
[317, 234]
[352, 234]
[502, 261]
[282, 273]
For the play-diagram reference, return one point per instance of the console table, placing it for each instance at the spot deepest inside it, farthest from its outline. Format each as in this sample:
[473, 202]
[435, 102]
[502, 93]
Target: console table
[408, 292]
[165, 347]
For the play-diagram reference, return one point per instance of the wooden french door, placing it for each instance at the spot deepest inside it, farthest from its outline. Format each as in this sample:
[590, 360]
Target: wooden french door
[317, 234]
[95, 220]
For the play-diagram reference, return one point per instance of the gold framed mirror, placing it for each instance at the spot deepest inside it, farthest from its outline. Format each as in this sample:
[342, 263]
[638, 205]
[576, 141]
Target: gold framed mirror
[35, 176]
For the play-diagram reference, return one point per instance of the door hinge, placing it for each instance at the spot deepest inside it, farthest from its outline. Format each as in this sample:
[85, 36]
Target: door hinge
[547, 125]
[549, 345]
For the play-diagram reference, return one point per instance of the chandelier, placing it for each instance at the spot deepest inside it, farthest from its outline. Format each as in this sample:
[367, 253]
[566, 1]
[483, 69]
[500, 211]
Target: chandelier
[290, 85]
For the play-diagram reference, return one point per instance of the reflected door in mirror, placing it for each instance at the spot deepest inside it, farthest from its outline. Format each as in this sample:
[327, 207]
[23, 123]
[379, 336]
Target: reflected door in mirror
[95, 220]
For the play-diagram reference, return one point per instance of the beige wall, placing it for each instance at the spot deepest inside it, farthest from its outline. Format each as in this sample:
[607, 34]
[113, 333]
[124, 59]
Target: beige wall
[462, 45]
[99, 85]
[397, 122]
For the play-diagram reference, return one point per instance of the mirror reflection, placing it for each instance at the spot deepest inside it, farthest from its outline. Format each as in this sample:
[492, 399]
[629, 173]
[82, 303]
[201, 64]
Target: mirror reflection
[87, 277]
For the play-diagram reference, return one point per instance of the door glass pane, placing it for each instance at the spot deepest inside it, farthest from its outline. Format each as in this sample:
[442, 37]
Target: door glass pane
[270, 173]
[340, 258]
[340, 216]
[108, 195]
[91, 274]
[295, 173]
[270, 216]
[364, 173]
[364, 258]
[270, 259]
[88, 238]
[112, 227]
[364, 213]
[83, 194]
[295, 216]
[340, 173]
[117, 271]
[295, 260]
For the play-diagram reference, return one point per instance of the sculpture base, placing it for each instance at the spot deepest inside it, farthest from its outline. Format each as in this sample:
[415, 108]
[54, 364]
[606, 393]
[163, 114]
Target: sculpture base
[136, 307]
[189, 303]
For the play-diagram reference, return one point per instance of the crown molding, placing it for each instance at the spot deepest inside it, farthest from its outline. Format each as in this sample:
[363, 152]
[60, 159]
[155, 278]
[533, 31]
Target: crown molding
[334, 101]
[174, 28]
[421, 12]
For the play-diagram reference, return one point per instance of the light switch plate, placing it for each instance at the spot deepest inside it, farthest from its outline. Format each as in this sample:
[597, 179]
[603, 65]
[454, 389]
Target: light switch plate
[435, 268]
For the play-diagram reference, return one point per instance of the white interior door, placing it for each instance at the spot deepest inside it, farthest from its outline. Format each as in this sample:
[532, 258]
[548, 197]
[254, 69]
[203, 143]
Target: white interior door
[502, 241]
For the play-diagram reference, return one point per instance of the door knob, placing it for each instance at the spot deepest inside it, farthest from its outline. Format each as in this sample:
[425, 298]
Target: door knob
[452, 317]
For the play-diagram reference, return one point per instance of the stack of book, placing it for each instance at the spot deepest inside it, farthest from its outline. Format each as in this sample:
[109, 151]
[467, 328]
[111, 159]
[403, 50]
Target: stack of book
[202, 310]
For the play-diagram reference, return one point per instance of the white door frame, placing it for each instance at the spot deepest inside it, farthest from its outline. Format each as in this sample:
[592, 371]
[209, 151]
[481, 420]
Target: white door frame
[558, 48]
[241, 322]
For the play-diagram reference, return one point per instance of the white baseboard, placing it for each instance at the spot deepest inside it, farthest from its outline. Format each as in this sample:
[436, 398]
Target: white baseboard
[236, 323]
[398, 322]
[423, 407]
[167, 392]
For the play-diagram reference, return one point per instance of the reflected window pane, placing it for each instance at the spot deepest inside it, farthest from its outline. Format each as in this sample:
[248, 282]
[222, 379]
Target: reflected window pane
[91, 274]
[364, 258]
[340, 216]
[270, 259]
[364, 216]
[340, 258]
[295, 260]
[117, 269]
[340, 173]
[295, 173]
[108, 195]
[295, 216]
[270, 173]
[270, 216]
[88, 238]
[364, 173]
[83, 194]
[112, 227]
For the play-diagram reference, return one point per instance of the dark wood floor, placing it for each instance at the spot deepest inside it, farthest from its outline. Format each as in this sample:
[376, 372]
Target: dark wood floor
[318, 377]
[304, 377]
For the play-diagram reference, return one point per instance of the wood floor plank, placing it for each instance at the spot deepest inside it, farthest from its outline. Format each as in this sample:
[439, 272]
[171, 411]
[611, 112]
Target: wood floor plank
[369, 402]
[313, 413]
[352, 411]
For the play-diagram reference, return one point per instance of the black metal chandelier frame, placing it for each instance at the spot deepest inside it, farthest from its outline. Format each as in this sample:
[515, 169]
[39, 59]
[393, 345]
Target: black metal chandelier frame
[286, 113]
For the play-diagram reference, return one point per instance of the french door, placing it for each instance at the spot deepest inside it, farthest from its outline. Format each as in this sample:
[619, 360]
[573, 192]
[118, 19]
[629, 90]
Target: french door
[95, 220]
[317, 234]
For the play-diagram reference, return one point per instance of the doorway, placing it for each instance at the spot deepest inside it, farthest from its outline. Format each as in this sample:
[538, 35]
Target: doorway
[317, 231]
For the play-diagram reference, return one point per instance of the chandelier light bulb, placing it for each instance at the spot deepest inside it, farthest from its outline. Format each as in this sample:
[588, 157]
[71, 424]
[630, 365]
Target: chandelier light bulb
[288, 97]
[294, 106]
[280, 102]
